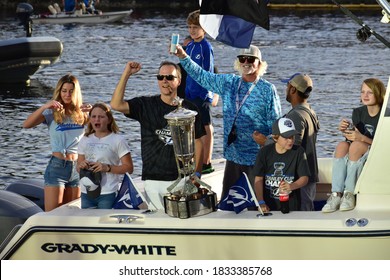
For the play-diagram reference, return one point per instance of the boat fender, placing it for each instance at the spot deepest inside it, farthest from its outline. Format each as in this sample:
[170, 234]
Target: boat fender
[52, 10]
[57, 7]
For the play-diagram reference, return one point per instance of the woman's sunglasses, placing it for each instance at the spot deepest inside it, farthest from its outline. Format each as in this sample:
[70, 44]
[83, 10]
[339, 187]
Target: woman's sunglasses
[250, 59]
[168, 77]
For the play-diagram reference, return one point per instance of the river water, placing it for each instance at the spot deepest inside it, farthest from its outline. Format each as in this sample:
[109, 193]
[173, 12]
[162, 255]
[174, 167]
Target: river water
[322, 44]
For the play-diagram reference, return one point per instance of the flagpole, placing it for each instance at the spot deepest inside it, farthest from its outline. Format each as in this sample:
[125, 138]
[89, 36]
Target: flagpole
[139, 192]
[253, 195]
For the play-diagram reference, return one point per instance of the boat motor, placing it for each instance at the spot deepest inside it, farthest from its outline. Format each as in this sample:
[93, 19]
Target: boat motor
[15, 209]
[24, 12]
[32, 189]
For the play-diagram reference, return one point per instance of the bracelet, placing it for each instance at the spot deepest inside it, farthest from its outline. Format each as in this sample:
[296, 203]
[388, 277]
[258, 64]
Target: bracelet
[109, 168]
[198, 174]
[261, 202]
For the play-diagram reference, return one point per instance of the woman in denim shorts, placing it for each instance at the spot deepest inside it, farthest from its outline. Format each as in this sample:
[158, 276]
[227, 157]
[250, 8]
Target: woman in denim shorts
[65, 117]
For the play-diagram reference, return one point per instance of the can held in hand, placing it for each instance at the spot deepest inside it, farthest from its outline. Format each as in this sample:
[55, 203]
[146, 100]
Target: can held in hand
[350, 127]
[174, 42]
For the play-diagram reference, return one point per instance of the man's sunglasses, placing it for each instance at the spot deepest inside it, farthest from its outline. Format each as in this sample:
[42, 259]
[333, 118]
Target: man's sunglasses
[168, 77]
[250, 59]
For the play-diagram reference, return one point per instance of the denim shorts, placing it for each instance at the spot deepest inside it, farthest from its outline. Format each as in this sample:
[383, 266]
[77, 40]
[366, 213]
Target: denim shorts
[103, 201]
[61, 173]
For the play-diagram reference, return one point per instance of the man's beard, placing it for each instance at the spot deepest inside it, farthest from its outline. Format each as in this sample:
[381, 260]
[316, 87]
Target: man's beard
[248, 70]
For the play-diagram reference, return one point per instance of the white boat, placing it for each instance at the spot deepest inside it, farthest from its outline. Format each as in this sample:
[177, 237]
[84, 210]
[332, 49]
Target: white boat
[63, 18]
[25, 13]
[363, 233]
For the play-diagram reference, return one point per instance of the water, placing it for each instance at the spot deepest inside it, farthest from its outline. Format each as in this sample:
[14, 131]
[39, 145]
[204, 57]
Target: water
[321, 44]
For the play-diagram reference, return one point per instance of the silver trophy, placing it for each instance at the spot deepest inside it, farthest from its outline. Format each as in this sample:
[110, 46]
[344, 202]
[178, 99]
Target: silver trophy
[188, 195]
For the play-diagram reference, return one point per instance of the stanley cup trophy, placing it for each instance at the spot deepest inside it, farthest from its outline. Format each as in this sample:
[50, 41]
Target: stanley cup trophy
[188, 196]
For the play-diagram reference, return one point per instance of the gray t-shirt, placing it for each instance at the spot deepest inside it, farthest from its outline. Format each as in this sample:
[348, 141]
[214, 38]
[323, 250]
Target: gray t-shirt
[307, 124]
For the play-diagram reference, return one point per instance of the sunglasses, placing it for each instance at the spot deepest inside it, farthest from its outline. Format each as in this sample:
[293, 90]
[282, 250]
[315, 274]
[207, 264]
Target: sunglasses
[250, 59]
[168, 77]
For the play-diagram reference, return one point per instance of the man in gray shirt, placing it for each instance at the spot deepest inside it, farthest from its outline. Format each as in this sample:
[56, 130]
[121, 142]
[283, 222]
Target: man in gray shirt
[299, 87]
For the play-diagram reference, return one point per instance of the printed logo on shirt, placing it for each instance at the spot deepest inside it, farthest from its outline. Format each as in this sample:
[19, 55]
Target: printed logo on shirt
[370, 129]
[272, 181]
[165, 135]
[68, 126]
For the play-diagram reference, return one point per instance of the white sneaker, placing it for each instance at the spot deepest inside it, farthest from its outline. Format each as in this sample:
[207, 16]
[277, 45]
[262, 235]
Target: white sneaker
[332, 204]
[347, 201]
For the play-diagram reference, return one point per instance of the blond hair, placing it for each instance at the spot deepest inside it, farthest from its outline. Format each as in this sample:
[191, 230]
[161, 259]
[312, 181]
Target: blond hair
[74, 110]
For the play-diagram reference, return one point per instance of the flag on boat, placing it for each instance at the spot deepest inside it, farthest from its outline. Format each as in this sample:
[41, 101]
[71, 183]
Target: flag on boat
[233, 22]
[129, 197]
[239, 197]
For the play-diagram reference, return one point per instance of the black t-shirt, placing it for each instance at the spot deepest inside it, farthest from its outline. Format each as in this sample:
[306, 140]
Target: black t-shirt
[364, 122]
[275, 167]
[158, 158]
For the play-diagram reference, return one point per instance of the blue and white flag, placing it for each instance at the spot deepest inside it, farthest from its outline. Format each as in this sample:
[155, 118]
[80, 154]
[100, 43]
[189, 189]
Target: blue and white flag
[128, 197]
[239, 197]
[233, 22]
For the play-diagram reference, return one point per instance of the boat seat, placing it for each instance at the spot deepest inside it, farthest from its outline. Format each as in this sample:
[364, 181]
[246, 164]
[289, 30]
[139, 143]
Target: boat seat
[324, 185]
[325, 170]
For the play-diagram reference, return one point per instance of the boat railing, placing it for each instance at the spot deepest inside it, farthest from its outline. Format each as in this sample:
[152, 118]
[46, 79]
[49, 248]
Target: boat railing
[385, 5]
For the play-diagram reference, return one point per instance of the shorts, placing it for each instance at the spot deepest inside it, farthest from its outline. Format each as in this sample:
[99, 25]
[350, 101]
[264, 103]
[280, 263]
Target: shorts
[61, 173]
[204, 109]
[103, 201]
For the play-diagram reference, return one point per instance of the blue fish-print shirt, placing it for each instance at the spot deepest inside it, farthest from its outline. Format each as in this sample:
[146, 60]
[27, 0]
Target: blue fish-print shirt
[259, 111]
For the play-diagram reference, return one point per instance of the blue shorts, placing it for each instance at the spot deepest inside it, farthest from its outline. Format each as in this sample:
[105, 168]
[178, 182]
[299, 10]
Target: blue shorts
[61, 173]
[103, 201]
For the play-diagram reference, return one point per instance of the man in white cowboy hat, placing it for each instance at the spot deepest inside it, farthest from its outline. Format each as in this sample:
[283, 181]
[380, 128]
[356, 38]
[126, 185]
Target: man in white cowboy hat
[250, 106]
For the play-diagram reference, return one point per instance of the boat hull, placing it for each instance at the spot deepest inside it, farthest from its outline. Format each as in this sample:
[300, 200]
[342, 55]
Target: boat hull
[221, 235]
[108, 17]
[20, 58]
[69, 232]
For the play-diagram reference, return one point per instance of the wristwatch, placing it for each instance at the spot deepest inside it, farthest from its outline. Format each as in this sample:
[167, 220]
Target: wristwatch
[109, 168]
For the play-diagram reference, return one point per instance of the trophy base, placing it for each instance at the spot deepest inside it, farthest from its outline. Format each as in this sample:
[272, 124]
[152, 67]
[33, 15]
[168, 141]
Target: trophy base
[190, 206]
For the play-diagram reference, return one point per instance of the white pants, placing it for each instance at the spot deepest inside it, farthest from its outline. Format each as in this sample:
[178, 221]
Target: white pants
[155, 192]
